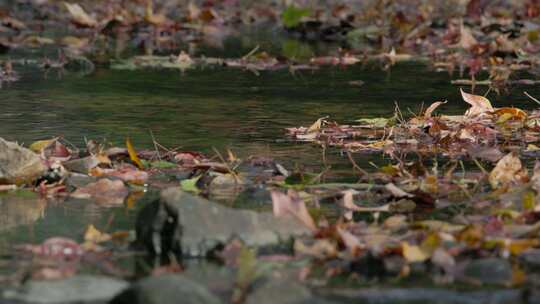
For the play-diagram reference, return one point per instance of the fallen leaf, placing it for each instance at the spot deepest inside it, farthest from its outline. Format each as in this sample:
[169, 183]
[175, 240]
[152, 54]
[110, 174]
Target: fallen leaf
[413, 253]
[479, 104]
[292, 204]
[133, 154]
[432, 108]
[79, 16]
[507, 171]
[93, 235]
[104, 191]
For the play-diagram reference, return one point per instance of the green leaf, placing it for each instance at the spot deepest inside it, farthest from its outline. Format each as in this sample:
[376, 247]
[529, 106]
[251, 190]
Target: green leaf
[292, 15]
[190, 185]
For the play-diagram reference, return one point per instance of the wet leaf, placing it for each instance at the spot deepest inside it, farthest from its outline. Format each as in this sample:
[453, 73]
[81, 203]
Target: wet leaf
[133, 154]
[40, 145]
[104, 191]
[190, 185]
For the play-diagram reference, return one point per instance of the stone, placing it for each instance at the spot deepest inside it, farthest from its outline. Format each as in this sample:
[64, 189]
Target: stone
[530, 259]
[192, 226]
[279, 291]
[77, 289]
[18, 165]
[164, 289]
[491, 271]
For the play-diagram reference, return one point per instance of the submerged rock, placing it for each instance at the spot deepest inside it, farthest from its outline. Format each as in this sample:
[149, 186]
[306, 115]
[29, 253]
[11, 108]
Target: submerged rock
[77, 289]
[163, 289]
[531, 259]
[492, 271]
[285, 291]
[18, 164]
[193, 226]
[19, 209]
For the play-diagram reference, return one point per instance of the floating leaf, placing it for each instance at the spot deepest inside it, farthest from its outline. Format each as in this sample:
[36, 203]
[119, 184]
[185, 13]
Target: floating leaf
[133, 154]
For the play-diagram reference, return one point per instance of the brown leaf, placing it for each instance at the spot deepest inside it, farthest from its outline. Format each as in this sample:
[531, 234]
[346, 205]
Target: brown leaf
[104, 191]
[292, 204]
[432, 108]
[479, 104]
[508, 170]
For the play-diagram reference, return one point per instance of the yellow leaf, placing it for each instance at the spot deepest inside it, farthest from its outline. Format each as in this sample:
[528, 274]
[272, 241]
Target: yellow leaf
[316, 126]
[95, 236]
[529, 200]
[79, 16]
[512, 113]
[39, 145]
[413, 253]
[133, 154]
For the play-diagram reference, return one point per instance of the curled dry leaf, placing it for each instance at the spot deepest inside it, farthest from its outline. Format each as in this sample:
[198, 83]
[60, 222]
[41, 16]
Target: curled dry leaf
[479, 104]
[507, 171]
[316, 126]
[104, 191]
[292, 204]
[432, 108]
[79, 16]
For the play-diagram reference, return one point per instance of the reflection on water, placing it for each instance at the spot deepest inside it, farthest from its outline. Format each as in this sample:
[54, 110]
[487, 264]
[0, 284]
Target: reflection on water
[20, 211]
[201, 109]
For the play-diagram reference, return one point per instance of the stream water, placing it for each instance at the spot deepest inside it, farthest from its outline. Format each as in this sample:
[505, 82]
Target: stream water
[199, 110]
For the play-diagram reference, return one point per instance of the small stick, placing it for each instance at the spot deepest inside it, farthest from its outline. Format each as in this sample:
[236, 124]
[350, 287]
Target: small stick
[534, 99]
[355, 165]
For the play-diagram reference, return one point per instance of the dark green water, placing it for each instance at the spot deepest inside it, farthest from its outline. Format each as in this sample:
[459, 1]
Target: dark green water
[199, 110]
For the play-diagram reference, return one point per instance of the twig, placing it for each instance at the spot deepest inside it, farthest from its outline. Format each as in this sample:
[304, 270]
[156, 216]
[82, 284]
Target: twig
[533, 99]
[355, 165]
[253, 51]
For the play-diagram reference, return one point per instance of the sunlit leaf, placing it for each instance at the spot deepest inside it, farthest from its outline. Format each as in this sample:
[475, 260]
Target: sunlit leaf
[479, 104]
[413, 253]
[133, 154]
[79, 16]
[190, 185]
